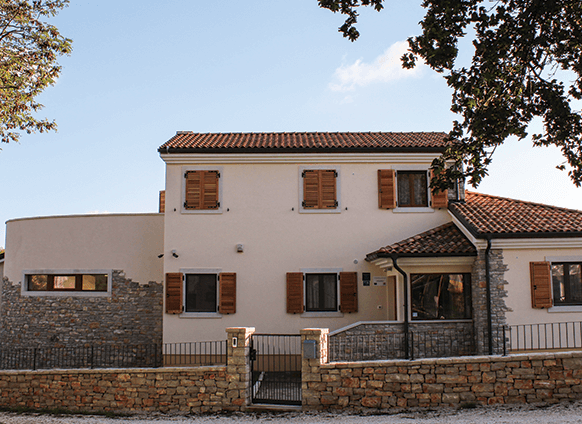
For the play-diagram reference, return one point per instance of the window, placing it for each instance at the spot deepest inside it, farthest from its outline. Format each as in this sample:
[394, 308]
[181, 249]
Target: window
[441, 296]
[567, 283]
[319, 190]
[67, 282]
[202, 190]
[320, 292]
[201, 293]
[412, 189]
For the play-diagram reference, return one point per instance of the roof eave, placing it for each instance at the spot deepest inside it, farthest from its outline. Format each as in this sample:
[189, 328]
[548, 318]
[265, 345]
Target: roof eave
[382, 255]
[260, 150]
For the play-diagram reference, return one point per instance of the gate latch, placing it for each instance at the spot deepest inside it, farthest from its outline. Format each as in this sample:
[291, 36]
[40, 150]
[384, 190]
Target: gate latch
[253, 354]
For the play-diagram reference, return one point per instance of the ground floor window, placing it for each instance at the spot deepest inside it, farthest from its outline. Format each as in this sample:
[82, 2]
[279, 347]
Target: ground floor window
[567, 283]
[441, 296]
[321, 292]
[201, 293]
[67, 282]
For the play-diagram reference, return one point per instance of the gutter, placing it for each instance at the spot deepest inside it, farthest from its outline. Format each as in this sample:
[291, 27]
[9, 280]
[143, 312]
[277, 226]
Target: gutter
[394, 258]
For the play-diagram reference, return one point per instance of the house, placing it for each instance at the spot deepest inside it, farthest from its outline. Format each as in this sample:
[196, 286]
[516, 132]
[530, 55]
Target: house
[284, 231]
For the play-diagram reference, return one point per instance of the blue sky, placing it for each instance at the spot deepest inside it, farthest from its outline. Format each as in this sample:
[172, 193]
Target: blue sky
[138, 75]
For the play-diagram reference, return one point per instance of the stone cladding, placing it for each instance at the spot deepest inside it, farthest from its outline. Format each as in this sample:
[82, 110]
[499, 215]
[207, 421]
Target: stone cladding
[131, 315]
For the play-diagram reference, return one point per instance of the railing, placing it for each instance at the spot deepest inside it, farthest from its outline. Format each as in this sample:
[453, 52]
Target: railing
[92, 356]
[550, 336]
[434, 343]
[195, 353]
[111, 356]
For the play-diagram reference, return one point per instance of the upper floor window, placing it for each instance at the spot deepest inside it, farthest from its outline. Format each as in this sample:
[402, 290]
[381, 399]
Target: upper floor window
[67, 282]
[202, 190]
[412, 189]
[320, 189]
[567, 283]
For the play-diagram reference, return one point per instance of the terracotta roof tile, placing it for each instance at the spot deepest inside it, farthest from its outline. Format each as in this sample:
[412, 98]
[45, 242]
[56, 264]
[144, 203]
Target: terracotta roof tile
[446, 240]
[485, 215]
[185, 141]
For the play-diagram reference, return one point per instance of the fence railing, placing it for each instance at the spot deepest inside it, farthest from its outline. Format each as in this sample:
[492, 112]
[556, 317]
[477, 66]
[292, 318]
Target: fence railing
[195, 353]
[113, 356]
[443, 342]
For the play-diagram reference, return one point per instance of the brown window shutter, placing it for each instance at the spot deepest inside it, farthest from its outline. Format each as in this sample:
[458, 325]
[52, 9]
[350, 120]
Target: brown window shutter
[162, 207]
[349, 292]
[541, 285]
[202, 190]
[328, 189]
[174, 304]
[294, 292]
[386, 189]
[227, 283]
[310, 189]
[440, 199]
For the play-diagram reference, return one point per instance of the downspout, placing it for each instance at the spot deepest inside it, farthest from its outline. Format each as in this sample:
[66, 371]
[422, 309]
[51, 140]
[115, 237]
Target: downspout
[406, 323]
[488, 296]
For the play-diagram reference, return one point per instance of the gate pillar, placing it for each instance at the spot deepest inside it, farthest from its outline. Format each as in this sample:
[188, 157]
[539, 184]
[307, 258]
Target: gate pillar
[238, 366]
[310, 374]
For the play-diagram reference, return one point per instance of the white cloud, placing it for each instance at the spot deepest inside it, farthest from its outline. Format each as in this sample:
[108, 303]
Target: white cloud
[385, 68]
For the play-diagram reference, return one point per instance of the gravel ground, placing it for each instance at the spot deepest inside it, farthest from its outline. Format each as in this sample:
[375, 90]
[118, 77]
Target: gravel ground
[562, 413]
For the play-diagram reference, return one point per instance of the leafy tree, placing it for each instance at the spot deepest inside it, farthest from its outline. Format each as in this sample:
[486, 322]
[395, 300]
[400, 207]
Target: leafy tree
[29, 48]
[527, 64]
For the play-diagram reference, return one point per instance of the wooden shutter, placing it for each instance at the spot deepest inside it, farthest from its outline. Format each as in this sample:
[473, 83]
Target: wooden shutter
[440, 199]
[349, 292]
[319, 189]
[174, 304]
[386, 189]
[202, 190]
[541, 285]
[162, 207]
[294, 292]
[227, 292]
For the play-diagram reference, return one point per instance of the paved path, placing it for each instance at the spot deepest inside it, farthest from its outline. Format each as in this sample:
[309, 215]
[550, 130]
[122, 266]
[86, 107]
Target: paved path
[563, 413]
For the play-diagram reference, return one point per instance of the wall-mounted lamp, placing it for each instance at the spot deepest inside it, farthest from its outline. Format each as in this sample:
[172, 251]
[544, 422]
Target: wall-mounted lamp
[174, 254]
[240, 248]
[161, 256]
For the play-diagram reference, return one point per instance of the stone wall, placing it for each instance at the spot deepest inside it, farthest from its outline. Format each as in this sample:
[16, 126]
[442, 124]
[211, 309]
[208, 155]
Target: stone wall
[131, 315]
[487, 380]
[173, 390]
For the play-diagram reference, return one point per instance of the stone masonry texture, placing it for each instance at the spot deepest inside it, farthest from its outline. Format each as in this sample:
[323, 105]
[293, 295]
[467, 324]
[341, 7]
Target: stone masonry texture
[131, 315]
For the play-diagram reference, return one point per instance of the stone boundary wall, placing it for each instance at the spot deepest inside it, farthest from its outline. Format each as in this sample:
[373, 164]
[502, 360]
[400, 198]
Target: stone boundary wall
[172, 390]
[131, 315]
[486, 380]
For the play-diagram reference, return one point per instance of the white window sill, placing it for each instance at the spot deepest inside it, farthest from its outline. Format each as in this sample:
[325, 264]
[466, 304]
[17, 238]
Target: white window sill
[322, 315]
[336, 210]
[413, 210]
[65, 294]
[565, 308]
[202, 211]
[203, 315]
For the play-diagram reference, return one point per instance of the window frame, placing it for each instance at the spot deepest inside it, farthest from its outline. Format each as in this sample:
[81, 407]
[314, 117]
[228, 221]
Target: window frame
[566, 277]
[337, 170]
[322, 298]
[76, 292]
[467, 284]
[216, 272]
[186, 169]
[216, 293]
[411, 188]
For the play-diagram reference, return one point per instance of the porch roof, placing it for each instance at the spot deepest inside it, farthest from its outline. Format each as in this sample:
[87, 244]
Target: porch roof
[445, 240]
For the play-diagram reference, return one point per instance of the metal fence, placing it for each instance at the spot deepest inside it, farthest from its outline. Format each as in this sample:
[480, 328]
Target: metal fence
[113, 356]
[415, 344]
[195, 353]
[547, 336]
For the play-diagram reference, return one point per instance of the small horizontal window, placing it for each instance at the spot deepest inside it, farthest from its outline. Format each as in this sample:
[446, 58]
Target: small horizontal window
[67, 282]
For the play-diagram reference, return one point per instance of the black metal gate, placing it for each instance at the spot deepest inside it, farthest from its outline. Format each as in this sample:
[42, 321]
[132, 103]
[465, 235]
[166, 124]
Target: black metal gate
[276, 368]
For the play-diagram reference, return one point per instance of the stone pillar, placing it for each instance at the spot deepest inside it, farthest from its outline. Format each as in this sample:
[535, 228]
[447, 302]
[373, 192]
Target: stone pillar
[310, 368]
[238, 367]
